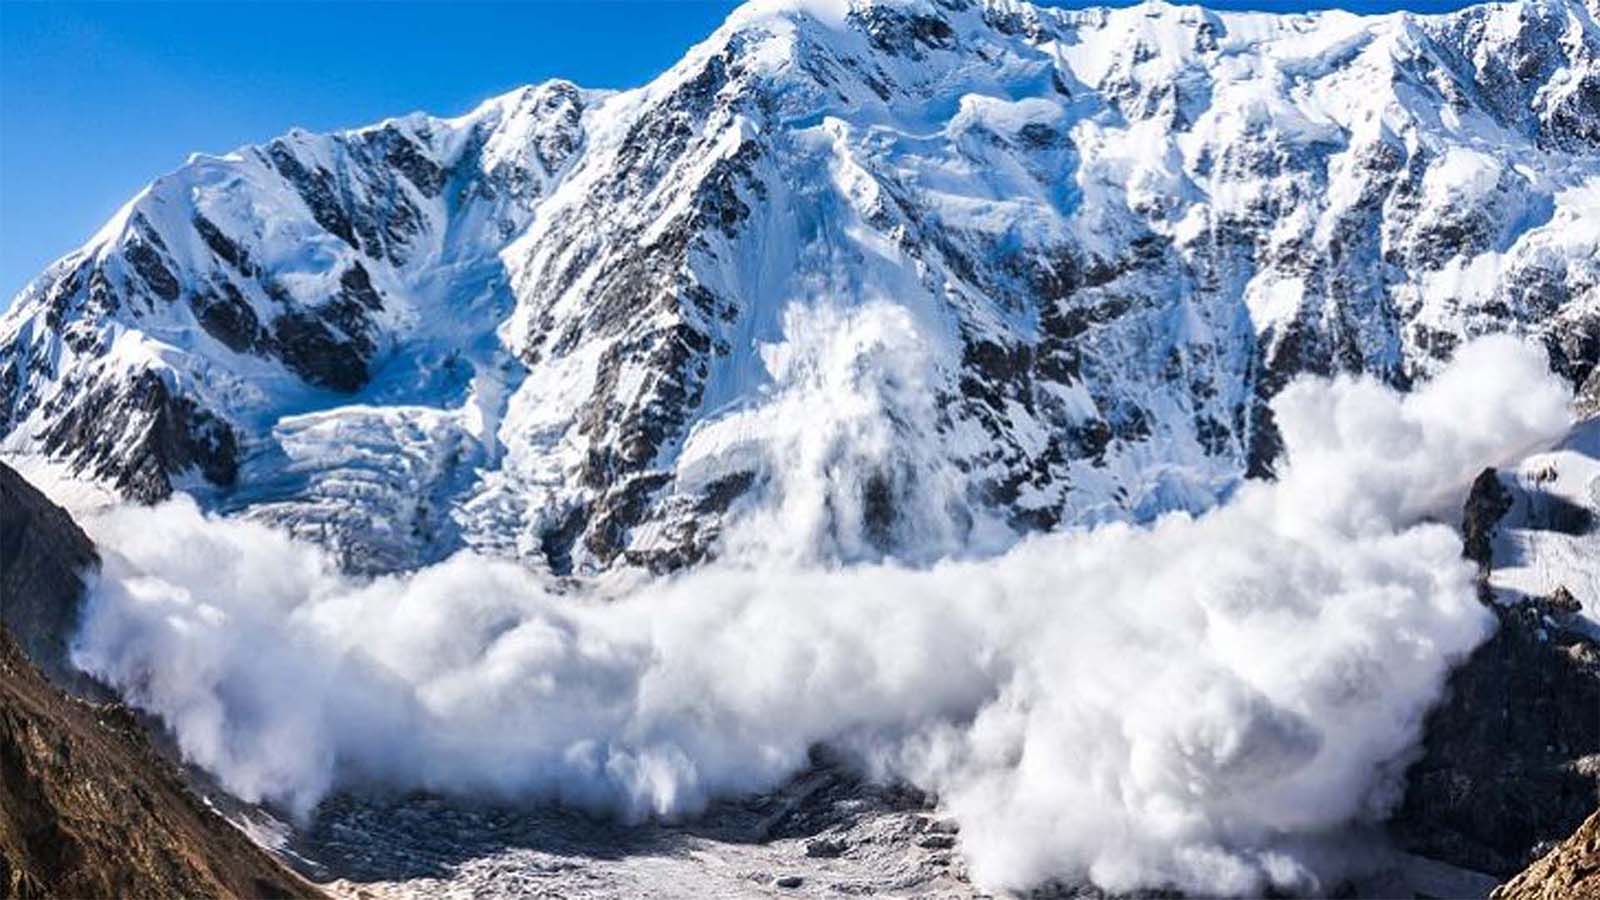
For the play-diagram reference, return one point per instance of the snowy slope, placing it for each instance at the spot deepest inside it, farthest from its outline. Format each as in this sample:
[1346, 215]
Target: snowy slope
[918, 276]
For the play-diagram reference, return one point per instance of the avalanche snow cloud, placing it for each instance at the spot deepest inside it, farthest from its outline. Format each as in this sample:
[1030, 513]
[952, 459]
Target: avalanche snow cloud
[1204, 702]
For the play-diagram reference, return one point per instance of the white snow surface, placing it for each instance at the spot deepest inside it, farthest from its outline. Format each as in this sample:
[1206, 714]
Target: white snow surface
[1536, 550]
[796, 247]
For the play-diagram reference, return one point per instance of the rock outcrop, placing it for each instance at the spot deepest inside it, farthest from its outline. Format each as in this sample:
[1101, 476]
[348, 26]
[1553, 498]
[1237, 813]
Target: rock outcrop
[1511, 757]
[43, 558]
[1571, 871]
[88, 808]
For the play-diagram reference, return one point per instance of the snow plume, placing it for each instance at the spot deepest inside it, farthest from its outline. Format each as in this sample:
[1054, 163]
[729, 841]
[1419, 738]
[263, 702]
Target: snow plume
[847, 444]
[1205, 702]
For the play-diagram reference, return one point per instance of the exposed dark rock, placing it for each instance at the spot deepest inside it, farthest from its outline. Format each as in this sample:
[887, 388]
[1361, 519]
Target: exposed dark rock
[1089, 440]
[993, 374]
[378, 229]
[229, 318]
[87, 807]
[901, 33]
[619, 510]
[655, 141]
[561, 103]
[147, 262]
[1038, 136]
[1574, 347]
[556, 543]
[717, 204]
[317, 190]
[720, 494]
[222, 245]
[1487, 503]
[1587, 401]
[1561, 603]
[356, 284]
[311, 350]
[1573, 122]
[1212, 435]
[630, 436]
[1266, 443]
[401, 153]
[1511, 758]
[138, 434]
[43, 558]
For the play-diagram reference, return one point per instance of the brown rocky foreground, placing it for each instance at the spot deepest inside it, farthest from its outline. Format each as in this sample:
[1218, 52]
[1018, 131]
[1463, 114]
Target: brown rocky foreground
[1569, 872]
[88, 808]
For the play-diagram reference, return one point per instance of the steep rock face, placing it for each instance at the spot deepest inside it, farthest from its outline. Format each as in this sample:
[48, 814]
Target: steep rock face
[1511, 758]
[43, 558]
[87, 807]
[930, 273]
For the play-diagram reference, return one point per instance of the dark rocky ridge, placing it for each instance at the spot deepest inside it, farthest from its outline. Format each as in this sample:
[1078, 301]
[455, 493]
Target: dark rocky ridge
[139, 435]
[44, 556]
[88, 808]
[1511, 757]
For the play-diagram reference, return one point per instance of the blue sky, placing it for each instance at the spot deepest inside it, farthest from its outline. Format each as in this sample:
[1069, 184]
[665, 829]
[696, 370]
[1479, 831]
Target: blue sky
[97, 99]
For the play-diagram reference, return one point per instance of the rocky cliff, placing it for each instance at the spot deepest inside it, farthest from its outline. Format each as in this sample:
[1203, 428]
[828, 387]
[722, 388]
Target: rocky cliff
[1511, 757]
[44, 557]
[87, 807]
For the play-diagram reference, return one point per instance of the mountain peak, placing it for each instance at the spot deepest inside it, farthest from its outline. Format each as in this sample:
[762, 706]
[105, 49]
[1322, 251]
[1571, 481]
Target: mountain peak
[1067, 255]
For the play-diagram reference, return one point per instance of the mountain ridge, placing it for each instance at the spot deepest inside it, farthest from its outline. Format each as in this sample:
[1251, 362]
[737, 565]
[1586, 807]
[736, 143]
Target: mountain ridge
[979, 268]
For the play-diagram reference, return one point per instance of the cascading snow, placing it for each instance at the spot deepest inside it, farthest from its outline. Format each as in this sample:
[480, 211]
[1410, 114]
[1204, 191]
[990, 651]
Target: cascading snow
[1206, 702]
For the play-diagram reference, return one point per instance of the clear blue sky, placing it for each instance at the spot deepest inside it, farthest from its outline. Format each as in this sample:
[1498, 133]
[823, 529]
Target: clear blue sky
[97, 99]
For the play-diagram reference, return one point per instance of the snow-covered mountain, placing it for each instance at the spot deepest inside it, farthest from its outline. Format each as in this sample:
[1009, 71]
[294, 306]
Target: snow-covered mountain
[920, 275]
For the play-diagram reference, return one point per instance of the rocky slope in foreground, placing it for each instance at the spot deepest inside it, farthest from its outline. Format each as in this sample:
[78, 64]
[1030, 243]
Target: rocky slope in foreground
[87, 807]
[1569, 872]
[43, 558]
[958, 268]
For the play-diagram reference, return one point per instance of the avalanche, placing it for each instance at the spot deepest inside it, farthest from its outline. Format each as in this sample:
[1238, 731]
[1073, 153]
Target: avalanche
[1053, 408]
[1205, 702]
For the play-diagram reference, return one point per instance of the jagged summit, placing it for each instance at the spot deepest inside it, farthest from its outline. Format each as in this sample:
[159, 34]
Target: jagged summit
[923, 276]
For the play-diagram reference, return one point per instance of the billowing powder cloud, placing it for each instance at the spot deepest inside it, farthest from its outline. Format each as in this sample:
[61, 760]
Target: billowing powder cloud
[1198, 702]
